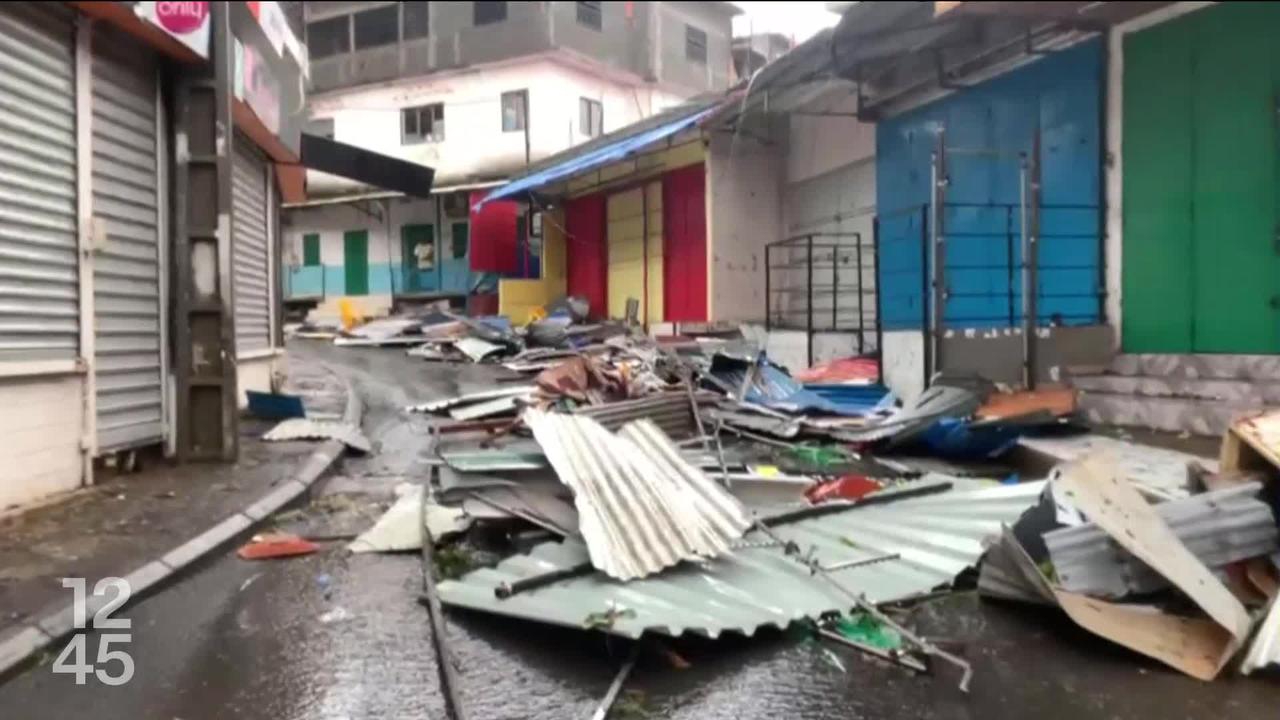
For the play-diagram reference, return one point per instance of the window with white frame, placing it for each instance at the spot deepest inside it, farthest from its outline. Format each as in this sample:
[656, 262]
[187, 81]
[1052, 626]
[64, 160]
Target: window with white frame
[422, 124]
[590, 117]
[515, 110]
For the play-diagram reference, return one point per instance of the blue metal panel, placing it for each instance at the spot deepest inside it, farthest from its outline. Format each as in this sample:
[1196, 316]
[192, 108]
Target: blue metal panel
[987, 127]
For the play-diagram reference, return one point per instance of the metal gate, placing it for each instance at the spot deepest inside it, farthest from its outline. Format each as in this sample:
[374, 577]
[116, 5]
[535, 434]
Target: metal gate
[39, 268]
[250, 273]
[129, 371]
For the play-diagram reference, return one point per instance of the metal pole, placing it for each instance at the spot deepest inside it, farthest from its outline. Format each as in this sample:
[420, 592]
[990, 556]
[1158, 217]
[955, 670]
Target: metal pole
[926, 340]
[939, 238]
[875, 272]
[835, 284]
[768, 288]
[1022, 273]
[431, 599]
[1008, 230]
[616, 686]
[644, 244]
[809, 308]
[1033, 262]
[861, 290]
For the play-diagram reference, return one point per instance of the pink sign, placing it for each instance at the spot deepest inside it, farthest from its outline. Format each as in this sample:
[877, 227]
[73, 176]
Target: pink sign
[182, 17]
[187, 22]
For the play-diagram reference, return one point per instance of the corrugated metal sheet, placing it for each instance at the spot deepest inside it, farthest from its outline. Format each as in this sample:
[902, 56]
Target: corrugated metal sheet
[446, 403]
[1218, 527]
[250, 248]
[670, 411]
[39, 282]
[1159, 471]
[126, 271]
[643, 507]
[308, 429]
[936, 535]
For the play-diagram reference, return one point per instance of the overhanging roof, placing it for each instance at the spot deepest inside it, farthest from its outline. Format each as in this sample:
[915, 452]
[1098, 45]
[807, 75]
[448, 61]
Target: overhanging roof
[609, 148]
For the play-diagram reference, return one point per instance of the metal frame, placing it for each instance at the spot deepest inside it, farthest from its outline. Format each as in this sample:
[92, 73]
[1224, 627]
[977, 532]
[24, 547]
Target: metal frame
[806, 243]
[162, 259]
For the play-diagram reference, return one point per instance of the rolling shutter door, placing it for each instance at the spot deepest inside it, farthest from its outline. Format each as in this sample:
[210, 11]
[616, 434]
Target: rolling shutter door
[126, 285]
[39, 270]
[250, 249]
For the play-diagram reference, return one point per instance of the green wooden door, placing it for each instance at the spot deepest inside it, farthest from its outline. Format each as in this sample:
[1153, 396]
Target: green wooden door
[1201, 270]
[355, 262]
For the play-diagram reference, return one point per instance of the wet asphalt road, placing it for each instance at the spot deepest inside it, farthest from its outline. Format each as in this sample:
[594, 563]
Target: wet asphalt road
[338, 636]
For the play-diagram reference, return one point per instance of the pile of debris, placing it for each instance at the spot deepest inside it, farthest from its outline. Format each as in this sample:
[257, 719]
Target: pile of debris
[644, 486]
[1181, 580]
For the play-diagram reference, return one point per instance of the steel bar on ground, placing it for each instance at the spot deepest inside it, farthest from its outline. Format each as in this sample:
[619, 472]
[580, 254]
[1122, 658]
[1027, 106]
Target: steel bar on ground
[602, 710]
[431, 599]
[896, 658]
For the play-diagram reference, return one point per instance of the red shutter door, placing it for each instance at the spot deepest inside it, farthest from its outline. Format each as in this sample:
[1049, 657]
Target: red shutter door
[585, 250]
[685, 245]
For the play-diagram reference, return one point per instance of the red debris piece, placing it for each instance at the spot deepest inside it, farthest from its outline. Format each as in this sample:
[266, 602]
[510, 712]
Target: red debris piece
[849, 487]
[841, 370]
[265, 547]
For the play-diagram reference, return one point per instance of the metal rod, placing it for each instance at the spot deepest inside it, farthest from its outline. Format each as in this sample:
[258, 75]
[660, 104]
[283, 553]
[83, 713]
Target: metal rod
[849, 564]
[602, 710]
[768, 292]
[809, 322]
[861, 320]
[835, 286]
[875, 273]
[938, 230]
[926, 330]
[431, 599]
[1022, 266]
[896, 657]
[506, 590]
[1032, 260]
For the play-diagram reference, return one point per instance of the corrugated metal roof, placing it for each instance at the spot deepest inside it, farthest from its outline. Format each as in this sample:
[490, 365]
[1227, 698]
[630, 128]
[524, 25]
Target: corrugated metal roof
[1218, 527]
[936, 536]
[642, 506]
[446, 403]
[308, 429]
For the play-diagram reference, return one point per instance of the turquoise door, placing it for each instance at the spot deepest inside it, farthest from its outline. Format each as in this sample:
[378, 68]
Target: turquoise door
[456, 267]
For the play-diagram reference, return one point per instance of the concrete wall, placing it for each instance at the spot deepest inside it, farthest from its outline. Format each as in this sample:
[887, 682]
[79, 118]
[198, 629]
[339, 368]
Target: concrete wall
[820, 144]
[743, 216]
[42, 439]
[996, 353]
[643, 45]
[904, 363]
[475, 147]
[256, 374]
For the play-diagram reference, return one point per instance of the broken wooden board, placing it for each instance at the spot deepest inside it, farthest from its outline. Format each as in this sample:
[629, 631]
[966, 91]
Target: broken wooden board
[1196, 646]
[1252, 443]
[1098, 490]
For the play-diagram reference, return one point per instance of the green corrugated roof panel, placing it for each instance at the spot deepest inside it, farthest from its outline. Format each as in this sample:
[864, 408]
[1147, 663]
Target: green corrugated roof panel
[936, 535]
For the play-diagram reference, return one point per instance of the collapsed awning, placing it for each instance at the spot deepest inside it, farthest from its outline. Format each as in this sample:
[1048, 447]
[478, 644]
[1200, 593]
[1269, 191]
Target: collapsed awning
[609, 148]
[376, 169]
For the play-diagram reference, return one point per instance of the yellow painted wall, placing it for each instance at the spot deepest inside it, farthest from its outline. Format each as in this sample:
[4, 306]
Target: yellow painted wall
[517, 298]
[629, 171]
[627, 251]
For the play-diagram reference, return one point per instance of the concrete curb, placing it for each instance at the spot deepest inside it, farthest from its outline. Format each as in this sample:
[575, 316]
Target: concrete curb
[56, 622]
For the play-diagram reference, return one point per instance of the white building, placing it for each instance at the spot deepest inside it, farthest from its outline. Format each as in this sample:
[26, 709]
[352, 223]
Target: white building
[487, 90]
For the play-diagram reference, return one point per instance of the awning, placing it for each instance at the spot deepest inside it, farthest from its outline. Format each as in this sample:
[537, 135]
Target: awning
[594, 154]
[365, 166]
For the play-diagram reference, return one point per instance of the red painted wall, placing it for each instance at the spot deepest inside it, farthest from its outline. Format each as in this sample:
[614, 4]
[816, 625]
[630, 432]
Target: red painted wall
[493, 235]
[585, 249]
[684, 262]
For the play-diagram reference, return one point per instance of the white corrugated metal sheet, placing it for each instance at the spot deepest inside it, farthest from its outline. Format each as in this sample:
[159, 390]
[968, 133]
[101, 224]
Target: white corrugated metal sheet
[250, 248]
[642, 506]
[1265, 649]
[126, 271]
[936, 537]
[39, 276]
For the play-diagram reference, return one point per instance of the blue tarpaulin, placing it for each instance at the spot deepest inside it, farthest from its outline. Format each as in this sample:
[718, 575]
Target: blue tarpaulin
[595, 158]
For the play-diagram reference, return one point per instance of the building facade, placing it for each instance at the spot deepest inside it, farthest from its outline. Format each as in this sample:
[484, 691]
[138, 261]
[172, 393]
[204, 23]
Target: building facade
[477, 91]
[94, 224]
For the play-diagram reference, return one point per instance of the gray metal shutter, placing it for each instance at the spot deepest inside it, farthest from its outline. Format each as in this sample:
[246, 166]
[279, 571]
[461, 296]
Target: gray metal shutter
[126, 270]
[250, 248]
[39, 268]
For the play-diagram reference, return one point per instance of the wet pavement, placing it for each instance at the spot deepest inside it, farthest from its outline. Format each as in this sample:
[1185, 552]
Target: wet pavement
[334, 635]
